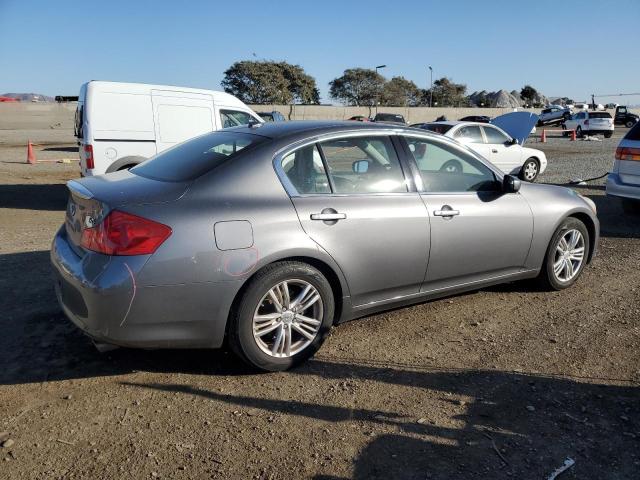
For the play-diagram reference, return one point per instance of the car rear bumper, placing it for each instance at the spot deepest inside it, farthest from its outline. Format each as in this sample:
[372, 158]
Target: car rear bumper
[616, 187]
[100, 295]
[595, 131]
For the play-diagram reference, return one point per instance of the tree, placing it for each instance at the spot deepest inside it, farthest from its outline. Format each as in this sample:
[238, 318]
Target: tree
[400, 92]
[447, 94]
[264, 82]
[528, 94]
[357, 86]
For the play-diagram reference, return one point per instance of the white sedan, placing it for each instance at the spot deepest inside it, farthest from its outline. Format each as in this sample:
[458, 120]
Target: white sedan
[501, 149]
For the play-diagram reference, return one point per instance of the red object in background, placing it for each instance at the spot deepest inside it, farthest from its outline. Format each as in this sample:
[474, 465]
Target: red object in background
[31, 157]
[8, 99]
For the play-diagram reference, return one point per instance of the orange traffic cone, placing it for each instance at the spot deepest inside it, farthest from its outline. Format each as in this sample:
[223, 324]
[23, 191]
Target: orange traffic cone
[543, 136]
[573, 135]
[31, 157]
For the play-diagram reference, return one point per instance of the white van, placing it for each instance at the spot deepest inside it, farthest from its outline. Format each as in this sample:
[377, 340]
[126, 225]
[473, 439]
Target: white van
[119, 125]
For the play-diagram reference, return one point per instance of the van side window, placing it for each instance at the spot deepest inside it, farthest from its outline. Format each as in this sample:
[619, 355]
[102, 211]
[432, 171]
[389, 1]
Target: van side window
[234, 118]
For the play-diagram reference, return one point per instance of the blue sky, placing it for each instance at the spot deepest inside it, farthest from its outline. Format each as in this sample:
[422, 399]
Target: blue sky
[52, 47]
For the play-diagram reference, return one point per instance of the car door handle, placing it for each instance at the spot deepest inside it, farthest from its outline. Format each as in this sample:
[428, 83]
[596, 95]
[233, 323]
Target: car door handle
[447, 212]
[493, 150]
[328, 216]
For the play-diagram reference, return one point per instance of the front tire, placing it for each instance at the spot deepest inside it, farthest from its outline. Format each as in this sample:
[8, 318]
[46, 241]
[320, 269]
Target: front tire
[566, 255]
[283, 316]
[530, 170]
[629, 123]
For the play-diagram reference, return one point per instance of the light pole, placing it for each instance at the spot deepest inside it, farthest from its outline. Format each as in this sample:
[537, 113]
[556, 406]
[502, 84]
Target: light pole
[378, 97]
[430, 86]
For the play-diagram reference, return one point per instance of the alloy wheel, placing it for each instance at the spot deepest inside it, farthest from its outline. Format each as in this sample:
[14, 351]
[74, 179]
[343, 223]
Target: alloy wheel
[530, 170]
[288, 318]
[569, 255]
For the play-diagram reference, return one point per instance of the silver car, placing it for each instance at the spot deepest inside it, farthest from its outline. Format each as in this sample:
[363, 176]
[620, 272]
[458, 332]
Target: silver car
[266, 236]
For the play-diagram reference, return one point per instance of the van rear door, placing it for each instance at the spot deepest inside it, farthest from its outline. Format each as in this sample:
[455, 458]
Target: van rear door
[179, 116]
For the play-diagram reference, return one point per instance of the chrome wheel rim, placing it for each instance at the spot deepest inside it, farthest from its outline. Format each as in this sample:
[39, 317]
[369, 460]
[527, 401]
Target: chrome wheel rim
[530, 170]
[288, 318]
[569, 255]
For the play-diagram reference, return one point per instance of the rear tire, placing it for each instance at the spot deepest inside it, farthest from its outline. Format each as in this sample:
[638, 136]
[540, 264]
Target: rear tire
[530, 170]
[292, 335]
[552, 279]
[629, 123]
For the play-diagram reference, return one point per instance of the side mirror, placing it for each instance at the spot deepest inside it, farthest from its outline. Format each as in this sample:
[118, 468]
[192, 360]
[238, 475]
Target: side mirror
[360, 166]
[510, 184]
[513, 141]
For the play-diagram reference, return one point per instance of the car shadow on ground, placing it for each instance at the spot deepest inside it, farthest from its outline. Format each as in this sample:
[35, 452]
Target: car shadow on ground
[34, 196]
[510, 424]
[61, 149]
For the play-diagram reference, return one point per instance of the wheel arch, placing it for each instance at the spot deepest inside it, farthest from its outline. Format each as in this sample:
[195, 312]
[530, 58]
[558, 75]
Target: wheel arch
[591, 228]
[124, 162]
[337, 282]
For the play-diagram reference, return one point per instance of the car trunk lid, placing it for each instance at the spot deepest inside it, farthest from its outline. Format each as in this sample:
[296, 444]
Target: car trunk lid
[91, 199]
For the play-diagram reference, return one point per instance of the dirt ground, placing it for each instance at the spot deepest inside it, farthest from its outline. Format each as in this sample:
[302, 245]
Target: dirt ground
[506, 382]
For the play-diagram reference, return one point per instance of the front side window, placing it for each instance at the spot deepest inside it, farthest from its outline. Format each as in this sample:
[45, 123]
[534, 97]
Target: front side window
[234, 118]
[444, 168]
[305, 170]
[495, 136]
[469, 134]
[363, 165]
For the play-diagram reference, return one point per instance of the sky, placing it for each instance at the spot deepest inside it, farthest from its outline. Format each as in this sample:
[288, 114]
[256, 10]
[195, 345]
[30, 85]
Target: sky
[562, 48]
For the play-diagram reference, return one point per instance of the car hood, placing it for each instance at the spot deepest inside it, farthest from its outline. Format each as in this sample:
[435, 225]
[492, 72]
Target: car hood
[516, 124]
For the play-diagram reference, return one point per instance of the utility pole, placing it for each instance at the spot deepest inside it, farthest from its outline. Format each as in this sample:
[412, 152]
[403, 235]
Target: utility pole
[430, 86]
[378, 97]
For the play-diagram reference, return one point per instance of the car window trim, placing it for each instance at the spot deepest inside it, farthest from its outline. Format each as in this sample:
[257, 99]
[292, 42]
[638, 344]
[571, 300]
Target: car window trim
[291, 190]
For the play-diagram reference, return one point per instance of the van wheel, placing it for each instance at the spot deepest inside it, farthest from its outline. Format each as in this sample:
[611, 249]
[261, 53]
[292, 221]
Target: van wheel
[629, 123]
[282, 317]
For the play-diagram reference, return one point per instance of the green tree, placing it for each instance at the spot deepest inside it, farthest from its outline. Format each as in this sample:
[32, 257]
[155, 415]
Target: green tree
[357, 86]
[265, 82]
[528, 94]
[447, 94]
[400, 92]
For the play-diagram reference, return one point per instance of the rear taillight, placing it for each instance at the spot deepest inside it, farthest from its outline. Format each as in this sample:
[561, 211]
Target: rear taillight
[121, 233]
[88, 151]
[628, 153]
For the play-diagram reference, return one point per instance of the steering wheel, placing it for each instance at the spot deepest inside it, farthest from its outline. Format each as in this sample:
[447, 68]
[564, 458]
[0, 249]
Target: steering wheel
[452, 166]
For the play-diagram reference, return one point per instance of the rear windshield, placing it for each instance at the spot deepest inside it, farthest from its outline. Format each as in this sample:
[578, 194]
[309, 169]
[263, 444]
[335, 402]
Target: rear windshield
[599, 115]
[437, 127]
[634, 133]
[389, 117]
[196, 157]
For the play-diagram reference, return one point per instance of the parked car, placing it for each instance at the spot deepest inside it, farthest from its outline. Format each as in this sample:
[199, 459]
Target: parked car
[266, 236]
[390, 118]
[590, 123]
[274, 116]
[360, 118]
[581, 106]
[495, 145]
[624, 117]
[624, 179]
[476, 118]
[119, 125]
[553, 114]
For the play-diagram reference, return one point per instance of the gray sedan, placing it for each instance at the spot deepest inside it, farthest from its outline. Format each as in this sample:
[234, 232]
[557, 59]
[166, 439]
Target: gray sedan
[266, 236]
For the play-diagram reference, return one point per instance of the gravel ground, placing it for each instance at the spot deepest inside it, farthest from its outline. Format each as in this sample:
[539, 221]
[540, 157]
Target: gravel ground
[505, 382]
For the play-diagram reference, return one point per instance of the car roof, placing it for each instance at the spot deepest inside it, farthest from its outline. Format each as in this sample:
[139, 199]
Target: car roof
[317, 127]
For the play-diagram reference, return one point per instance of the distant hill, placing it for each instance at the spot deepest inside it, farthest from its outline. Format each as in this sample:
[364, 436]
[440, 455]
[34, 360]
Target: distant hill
[29, 97]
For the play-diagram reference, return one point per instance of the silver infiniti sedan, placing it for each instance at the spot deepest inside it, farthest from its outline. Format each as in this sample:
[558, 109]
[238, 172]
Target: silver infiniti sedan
[266, 236]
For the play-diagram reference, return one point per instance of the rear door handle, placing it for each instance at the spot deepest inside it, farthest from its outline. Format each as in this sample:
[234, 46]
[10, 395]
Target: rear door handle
[493, 150]
[328, 216]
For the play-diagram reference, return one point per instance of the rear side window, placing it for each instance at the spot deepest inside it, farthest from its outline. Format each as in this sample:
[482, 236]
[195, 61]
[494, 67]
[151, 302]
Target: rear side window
[469, 134]
[634, 133]
[193, 158]
[305, 170]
